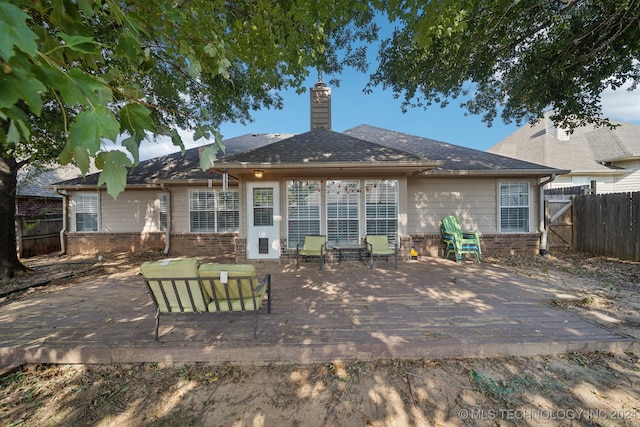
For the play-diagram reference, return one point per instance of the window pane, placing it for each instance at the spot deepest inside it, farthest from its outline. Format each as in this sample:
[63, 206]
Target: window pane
[263, 207]
[214, 211]
[86, 222]
[381, 209]
[263, 217]
[343, 211]
[202, 222]
[86, 212]
[228, 212]
[514, 207]
[303, 210]
[164, 208]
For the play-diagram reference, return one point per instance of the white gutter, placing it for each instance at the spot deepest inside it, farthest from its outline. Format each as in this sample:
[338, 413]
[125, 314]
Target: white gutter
[543, 230]
[65, 200]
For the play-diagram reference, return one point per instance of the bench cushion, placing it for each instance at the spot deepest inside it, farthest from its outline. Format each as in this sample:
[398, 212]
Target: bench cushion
[175, 295]
[241, 279]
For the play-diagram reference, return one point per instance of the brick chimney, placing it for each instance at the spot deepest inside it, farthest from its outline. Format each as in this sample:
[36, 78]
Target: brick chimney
[320, 105]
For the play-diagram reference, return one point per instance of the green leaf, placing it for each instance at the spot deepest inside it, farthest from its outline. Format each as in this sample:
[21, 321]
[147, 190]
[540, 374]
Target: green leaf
[195, 69]
[114, 172]
[14, 32]
[82, 44]
[83, 160]
[136, 119]
[78, 87]
[91, 126]
[18, 85]
[208, 157]
[129, 47]
[133, 147]
[176, 140]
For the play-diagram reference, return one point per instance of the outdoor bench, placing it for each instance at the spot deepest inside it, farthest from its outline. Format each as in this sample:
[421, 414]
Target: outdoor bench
[186, 286]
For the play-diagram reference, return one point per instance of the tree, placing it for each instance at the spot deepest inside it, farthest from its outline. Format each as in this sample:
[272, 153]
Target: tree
[523, 57]
[74, 74]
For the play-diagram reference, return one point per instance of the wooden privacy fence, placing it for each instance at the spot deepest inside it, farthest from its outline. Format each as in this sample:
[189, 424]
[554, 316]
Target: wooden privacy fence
[37, 235]
[608, 224]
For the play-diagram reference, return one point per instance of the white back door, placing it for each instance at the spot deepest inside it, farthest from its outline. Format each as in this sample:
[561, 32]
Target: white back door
[263, 220]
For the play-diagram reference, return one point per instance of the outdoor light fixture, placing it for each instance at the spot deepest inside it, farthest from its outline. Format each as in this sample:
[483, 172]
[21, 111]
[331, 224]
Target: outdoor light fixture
[258, 173]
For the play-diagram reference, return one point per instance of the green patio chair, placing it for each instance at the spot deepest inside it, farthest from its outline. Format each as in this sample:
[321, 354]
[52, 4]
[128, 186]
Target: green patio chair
[313, 246]
[378, 245]
[459, 241]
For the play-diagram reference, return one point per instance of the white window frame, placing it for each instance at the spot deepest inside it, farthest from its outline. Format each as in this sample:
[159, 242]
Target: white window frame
[379, 196]
[345, 195]
[212, 208]
[163, 211]
[227, 203]
[304, 210]
[512, 201]
[92, 208]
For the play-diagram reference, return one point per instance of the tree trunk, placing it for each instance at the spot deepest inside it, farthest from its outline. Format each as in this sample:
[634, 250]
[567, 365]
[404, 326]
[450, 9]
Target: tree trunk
[9, 263]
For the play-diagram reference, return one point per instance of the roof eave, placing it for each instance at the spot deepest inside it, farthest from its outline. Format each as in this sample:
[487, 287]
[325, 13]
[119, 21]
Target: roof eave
[498, 172]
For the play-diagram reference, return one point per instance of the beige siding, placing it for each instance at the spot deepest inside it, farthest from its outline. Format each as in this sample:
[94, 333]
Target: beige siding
[604, 183]
[474, 201]
[180, 208]
[132, 211]
[631, 182]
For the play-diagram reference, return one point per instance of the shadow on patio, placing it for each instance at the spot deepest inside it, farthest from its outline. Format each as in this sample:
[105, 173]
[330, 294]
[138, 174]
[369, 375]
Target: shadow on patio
[427, 308]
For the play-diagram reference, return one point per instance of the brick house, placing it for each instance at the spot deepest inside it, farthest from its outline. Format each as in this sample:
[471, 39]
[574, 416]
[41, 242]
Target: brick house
[269, 190]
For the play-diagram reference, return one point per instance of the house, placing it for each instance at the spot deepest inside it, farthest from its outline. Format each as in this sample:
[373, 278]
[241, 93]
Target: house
[269, 191]
[608, 159]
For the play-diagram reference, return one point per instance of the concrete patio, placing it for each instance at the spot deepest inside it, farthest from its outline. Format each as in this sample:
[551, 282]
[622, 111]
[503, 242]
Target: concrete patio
[428, 308]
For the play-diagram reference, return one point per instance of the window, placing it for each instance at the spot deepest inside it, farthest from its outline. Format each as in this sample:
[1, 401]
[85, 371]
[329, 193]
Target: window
[87, 212]
[228, 212]
[214, 212]
[381, 208]
[514, 207]
[343, 225]
[163, 211]
[303, 210]
[263, 207]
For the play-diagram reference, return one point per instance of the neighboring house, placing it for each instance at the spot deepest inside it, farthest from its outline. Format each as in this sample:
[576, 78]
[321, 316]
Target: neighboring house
[269, 191]
[608, 158]
[39, 209]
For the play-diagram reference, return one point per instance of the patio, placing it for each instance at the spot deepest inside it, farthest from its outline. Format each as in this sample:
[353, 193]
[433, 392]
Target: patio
[428, 308]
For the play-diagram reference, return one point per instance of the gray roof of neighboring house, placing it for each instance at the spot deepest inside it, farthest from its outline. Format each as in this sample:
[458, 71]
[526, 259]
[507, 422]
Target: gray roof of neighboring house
[584, 152]
[34, 182]
[362, 145]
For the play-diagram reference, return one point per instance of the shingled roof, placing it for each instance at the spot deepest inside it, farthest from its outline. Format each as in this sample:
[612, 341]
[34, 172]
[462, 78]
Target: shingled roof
[454, 157]
[178, 166]
[363, 146]
[323, 146]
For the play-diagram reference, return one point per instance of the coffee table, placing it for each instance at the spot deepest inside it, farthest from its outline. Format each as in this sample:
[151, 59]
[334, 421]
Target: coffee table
[351, 250]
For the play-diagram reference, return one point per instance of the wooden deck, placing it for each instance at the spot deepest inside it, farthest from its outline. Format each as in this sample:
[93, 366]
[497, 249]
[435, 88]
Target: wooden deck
[429, 308]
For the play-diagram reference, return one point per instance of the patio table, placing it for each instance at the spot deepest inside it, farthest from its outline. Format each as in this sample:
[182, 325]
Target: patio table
[351, 250]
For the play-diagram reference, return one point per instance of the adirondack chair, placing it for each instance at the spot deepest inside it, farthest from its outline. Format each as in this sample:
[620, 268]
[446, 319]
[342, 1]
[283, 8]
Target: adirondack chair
[313, 246]
[379, 246]
[459, 241]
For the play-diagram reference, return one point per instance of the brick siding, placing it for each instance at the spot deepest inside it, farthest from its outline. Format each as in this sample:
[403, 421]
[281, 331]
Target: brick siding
[429, 245]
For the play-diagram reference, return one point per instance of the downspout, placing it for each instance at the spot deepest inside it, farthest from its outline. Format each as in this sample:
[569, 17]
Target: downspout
[167, 236]
[65, 200]
[543, 230]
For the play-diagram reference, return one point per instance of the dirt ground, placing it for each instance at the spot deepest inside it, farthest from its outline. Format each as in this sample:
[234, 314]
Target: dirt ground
[568, 389]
